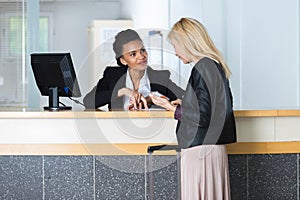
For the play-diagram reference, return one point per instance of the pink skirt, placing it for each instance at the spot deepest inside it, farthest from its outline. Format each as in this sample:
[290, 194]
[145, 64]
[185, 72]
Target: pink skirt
[205, 173]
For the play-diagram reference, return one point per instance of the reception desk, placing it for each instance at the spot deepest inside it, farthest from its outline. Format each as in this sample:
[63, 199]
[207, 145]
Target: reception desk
[102, 155]
[129, 133]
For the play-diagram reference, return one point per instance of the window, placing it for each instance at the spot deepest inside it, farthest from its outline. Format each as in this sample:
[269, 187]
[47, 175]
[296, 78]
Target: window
[15, 34]
[13, 47]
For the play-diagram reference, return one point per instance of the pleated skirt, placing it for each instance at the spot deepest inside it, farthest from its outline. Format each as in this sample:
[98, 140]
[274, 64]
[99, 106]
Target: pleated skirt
[205, 173]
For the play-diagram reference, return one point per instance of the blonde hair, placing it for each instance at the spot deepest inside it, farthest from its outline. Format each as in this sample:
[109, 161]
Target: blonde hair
[191, 36]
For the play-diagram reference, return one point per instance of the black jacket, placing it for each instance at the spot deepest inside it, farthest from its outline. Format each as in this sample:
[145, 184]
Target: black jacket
[114, 78]
[207, 115]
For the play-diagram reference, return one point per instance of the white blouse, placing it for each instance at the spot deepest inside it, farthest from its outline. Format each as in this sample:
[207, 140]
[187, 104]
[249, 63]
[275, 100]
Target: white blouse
[144, 87]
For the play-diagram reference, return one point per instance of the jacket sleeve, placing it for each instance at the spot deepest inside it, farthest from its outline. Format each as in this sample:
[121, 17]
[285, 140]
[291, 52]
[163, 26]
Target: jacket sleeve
[101, 94]
[197, 103]
[195, 111]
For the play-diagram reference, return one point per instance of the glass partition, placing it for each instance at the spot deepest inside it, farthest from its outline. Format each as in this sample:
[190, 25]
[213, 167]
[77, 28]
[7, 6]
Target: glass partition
[12, 48]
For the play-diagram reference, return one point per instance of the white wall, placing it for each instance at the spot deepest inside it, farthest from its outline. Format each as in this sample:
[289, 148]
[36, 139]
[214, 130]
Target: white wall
[263, 53]
[147, 14]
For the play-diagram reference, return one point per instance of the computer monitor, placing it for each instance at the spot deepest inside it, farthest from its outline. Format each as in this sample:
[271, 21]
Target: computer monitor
[55, 77]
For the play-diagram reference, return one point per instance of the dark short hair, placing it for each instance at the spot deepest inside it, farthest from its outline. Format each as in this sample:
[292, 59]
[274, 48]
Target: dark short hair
[123, 38]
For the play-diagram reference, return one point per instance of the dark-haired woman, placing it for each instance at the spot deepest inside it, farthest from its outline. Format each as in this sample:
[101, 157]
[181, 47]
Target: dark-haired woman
[128, 85]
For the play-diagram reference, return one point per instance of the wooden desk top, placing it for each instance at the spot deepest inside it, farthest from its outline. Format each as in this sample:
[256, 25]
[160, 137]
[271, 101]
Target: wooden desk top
[134, 114]
[86, 114]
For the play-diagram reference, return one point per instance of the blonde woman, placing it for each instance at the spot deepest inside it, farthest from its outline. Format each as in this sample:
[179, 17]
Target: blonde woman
[205, 116]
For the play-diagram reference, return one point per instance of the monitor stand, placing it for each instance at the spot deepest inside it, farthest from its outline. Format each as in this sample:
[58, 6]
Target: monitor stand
[54, 101]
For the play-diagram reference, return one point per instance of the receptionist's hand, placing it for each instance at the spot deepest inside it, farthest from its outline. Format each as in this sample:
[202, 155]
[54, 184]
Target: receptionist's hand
[137, 101]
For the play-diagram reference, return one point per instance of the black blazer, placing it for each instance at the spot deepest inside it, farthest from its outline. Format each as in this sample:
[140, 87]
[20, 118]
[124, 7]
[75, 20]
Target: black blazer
[114, 78]
[207, 115]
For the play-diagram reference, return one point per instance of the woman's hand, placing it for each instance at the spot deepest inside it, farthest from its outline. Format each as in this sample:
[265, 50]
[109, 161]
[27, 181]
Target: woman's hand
[176, 102]
[163, 102]
[137, 100]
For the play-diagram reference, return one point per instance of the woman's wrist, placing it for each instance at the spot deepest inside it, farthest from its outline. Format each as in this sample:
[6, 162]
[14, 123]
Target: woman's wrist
[172, 108]
[123, 91]
[120, 92]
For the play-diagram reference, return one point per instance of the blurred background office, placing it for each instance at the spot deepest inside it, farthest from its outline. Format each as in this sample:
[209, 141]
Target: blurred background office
[259, 38]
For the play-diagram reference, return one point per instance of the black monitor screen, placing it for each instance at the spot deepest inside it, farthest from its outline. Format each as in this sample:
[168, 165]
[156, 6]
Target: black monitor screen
[55, 70]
